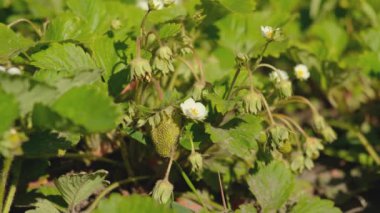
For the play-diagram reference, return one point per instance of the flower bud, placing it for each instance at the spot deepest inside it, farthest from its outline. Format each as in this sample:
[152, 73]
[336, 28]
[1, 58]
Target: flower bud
[278, 134]
[319, 122]
[252, 103]
[329, 134]
[163, 60]
[241, 59]
[155, 5]
[312, 146]
[162, 191]
[285, 147]
[141, 69]
[168, 3]
[198, 90]
[196, 161]
[116, 24]
[262, 138]
[284, 89]
[11, 142]
[297, 162]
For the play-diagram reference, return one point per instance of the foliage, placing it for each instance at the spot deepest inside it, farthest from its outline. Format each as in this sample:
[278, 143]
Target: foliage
[226, 105]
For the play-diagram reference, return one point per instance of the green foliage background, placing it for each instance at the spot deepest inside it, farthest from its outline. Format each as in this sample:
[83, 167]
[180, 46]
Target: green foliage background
[70, 104]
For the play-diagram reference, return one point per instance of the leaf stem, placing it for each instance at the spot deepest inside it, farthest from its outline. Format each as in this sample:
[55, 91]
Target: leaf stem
[233, 83]
[110, 188]
[191, 186]
[271, 120]
[12, 189]
[7, 163]
[35, 28]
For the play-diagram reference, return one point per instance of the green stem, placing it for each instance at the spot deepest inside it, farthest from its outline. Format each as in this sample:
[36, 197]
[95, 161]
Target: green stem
[272, 122]
[233, 83]
[111, 188]
[362, 139]
[124, 155]
[7, 163]
[191, 186]
[12, 189]
[371, 151]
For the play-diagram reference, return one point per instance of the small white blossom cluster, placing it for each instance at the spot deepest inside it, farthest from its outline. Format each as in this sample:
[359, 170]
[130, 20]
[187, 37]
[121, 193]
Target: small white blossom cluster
[194, 110]
[155, 4]
[301, 72]
[11, 70]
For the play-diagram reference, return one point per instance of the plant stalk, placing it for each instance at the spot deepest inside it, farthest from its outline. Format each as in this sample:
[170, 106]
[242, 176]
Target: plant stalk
[7, 163]
[12, 189]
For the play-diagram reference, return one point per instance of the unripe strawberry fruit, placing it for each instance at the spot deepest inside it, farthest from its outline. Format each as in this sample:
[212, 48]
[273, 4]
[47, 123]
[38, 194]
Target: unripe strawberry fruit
[165, 134]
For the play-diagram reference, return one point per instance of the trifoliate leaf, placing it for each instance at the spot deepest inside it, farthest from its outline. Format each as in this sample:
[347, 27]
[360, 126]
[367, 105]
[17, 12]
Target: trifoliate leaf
[12, 43]
[272, 186]
[131, 204]
[314, 205]
[63, 57]
[89, 108]
[76, 188]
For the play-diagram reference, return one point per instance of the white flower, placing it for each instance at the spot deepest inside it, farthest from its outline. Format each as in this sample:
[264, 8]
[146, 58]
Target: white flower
[150, 4]
[14, 71]
[2, 69]
[302, 72]
[194, 110]
[278, 75]
[267, 32]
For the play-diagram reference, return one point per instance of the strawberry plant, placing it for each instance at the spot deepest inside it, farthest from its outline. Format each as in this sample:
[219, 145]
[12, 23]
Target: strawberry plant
[187, 105]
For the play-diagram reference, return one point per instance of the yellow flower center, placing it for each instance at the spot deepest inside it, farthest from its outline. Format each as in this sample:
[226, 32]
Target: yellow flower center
[194, 111]
[269, 34]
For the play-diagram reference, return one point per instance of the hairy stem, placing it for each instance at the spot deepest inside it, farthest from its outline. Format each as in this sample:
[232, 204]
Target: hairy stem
[233, 83]
[271, 120]
[12, 189]
[7, 163]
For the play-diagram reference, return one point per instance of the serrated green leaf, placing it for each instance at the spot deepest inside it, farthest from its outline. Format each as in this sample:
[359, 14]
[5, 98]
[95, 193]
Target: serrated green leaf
[169, 30]
[131, 204]
[89, 108]
[12, 44]
[272, 185]
[9, 111]
[27, 92]
[239, 140]
[314, 205]
[105, 56]
[246, 208]
[64, 27]
[333, 36]
[43, 206]
[45, 8]
[63, 57]
[76, 188]
[45, 143]
[93, 13]
[239, 6]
